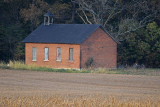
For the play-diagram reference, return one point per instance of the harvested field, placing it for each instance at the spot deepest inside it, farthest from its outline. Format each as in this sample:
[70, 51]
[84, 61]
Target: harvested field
[28, 83]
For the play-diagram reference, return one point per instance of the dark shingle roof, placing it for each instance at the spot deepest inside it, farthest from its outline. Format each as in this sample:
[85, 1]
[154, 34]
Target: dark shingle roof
[61, 33]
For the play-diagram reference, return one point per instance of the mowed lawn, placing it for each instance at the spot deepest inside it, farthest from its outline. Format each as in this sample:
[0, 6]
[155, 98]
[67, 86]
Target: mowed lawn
[17, 82]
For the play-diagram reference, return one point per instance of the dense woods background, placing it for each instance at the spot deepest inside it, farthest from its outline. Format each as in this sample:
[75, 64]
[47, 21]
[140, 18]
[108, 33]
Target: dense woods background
[135, 23]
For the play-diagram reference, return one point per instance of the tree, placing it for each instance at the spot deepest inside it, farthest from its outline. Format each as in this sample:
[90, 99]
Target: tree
[97, 11]
[3, 44]
[117, 16]
[153, 39]
[12, 31]
[11, 10]
[14, 34]
[32, 14]
[142, 47]
[62, 12]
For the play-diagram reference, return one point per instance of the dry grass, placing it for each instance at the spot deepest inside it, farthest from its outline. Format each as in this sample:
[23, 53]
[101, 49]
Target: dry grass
[55, 101]
[20, 65]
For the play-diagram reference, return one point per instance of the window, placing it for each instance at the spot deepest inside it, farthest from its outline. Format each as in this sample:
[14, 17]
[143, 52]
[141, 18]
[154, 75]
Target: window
[70, 54]
[58, 54]
[46, 54]
[34, 54]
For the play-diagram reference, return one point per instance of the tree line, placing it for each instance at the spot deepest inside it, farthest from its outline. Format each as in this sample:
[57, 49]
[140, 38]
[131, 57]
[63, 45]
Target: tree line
[135, 23]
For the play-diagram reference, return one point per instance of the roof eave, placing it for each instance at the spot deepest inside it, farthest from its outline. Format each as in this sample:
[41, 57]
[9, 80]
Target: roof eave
[52, 43]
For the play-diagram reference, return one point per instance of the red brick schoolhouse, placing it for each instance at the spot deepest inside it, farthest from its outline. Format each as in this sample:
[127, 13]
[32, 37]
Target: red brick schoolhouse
[72, 46]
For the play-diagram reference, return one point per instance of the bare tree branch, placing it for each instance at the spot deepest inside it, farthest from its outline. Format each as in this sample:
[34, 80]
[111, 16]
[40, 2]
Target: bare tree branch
[86, 17]
[127, 16]
[82, 18]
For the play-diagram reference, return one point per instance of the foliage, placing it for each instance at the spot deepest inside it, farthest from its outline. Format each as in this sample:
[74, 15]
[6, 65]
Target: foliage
[61, 12]
[142, 47]
[90, 62]
[34, 13]
[3, 43]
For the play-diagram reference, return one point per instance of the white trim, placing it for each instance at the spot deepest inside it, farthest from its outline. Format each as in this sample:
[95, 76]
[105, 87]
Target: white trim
[34, 60]
[46, 60]
[58, 60]
[71, 61]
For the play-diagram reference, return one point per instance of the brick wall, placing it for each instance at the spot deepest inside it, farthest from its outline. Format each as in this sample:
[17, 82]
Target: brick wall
[101, 48]
[64, 63]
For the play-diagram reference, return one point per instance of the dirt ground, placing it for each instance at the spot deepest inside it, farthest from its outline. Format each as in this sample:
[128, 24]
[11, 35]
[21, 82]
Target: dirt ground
[16, 82]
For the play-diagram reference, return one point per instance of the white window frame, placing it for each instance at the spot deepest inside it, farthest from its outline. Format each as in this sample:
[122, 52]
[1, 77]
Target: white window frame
[34, 54]
[46, 54]
[58, 54]
[70, 54]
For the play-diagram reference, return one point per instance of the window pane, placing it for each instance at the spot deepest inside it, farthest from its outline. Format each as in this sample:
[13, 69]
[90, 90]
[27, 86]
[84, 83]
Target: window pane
[59, 54]
[34, 54]
[46, 52]
[70, 54]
